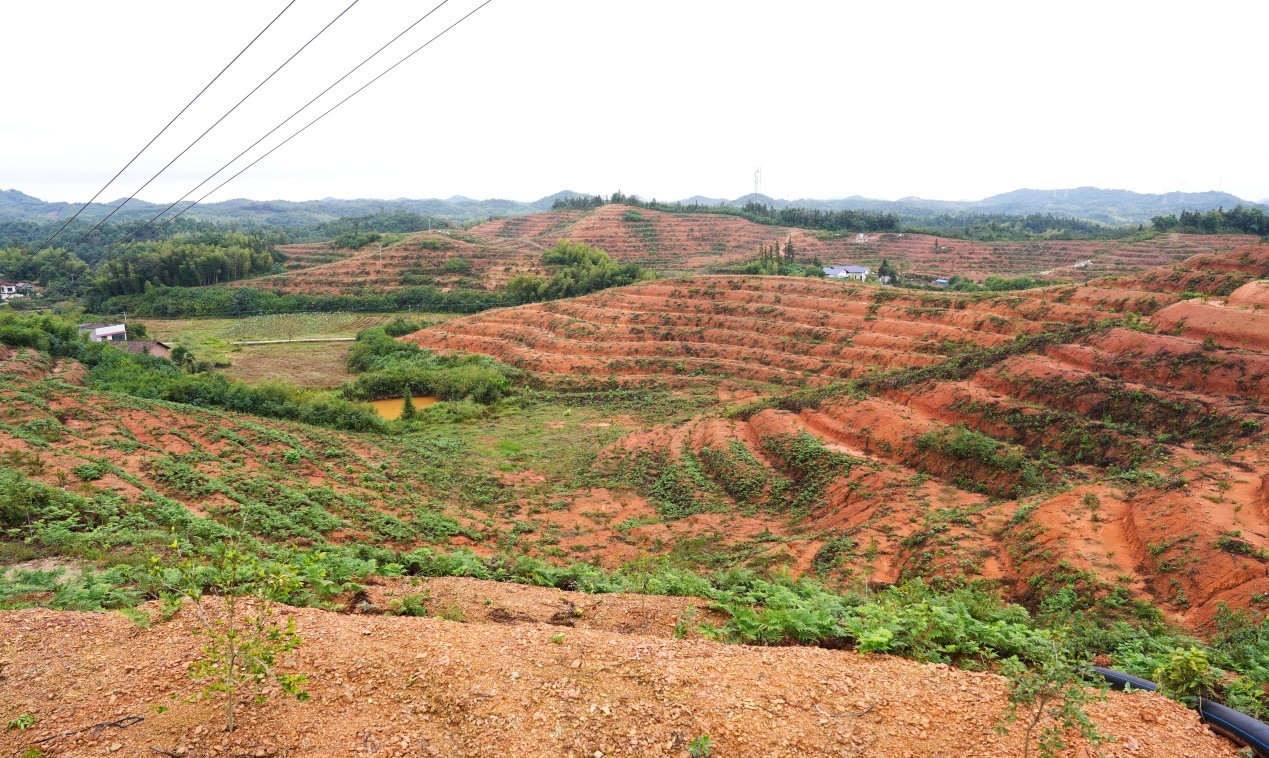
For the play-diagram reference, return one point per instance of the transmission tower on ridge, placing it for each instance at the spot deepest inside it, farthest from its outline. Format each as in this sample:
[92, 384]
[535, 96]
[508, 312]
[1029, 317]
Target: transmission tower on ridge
[757, 183]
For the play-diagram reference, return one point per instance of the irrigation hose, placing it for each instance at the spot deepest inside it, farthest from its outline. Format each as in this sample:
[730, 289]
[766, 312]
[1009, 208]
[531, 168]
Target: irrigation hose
[1235, 725]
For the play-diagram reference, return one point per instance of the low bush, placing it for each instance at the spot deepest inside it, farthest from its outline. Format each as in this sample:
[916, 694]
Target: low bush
[581, 269]
[390, 368]
[356, 240]
[456, 266]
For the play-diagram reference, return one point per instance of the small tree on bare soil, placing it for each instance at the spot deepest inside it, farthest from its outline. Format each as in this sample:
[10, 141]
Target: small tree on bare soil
[243, 636]
[1050, 696]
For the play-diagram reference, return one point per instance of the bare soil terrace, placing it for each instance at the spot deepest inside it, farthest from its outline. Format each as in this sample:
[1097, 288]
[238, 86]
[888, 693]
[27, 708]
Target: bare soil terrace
[701, 243]
[999, 462]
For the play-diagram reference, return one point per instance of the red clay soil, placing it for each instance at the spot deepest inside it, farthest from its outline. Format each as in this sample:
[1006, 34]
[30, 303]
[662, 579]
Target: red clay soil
[701, 243]
[1165, 360]
[1229, 327]
[697, 242]
[1253, 295]
[1213, 275]
[772, 329]
[523, 686]
[1178, 396]
[416, 260]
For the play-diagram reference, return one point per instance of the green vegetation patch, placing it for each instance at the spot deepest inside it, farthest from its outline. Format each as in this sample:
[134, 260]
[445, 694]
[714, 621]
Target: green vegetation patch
[579, 269]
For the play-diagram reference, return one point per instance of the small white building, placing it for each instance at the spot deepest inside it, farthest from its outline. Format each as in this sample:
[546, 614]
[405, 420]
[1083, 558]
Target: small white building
[105, 332]
[846, 272]
[9, 290]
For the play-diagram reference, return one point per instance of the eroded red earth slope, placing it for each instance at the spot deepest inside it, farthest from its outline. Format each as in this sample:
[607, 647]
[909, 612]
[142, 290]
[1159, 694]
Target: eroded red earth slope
[1110, 434]
[700, 243]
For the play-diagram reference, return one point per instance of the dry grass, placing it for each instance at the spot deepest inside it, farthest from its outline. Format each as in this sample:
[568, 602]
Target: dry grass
[319, 365]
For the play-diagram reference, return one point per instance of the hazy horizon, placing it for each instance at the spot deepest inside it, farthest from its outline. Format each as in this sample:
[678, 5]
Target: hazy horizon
[831, 100]
[450, 197]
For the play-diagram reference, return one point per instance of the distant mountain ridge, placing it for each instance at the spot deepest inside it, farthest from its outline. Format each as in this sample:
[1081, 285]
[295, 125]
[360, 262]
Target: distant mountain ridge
[1109, 206]
[19, 206]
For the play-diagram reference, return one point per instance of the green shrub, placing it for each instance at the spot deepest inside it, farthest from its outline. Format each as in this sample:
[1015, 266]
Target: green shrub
[456, 266]
[90, 472]
[356, 240]
[399, 327]
[582, 269]
[410, 605]
[702, 746]
[390, 368]
[1187, 673]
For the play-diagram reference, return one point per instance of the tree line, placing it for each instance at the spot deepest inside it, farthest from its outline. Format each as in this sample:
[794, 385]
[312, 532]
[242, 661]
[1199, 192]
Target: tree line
[210, 258]
[396, 222]
[987, 227]
[181, 302]
[806, 218]
[829, 221]
[1240, 220]
[1003, 227]
[188, 252]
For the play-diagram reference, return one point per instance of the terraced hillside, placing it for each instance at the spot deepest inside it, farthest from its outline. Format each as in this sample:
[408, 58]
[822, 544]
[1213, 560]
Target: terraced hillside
[701, 243]
[133, 470]
[418, 259]
[1108, 436]
[160, 461]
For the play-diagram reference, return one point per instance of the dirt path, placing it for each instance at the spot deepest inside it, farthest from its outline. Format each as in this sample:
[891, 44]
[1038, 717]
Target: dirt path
[302, 339]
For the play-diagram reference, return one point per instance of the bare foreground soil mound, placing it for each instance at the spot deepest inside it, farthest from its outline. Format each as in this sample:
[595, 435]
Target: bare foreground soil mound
[424, 686]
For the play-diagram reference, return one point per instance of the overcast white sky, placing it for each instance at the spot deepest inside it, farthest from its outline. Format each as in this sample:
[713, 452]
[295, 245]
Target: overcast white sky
[663, 98]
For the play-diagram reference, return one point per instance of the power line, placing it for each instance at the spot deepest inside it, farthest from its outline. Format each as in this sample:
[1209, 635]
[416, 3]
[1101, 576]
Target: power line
[303, 129]
[213, 126]
[271, 131]
[164, 129]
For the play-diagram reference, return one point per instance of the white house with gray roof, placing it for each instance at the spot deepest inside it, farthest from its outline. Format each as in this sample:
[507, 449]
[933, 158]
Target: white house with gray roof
[846, 272]
[105, 332]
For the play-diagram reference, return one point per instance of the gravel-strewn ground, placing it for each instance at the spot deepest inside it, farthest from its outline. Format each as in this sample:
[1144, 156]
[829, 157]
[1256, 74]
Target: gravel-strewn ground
[516, 684]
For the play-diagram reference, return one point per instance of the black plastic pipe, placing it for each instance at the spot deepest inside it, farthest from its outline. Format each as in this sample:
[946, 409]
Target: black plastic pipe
[1236, 725]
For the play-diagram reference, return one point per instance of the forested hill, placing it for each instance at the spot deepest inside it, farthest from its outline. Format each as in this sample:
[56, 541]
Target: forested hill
[19, 206]
[1107, 206]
